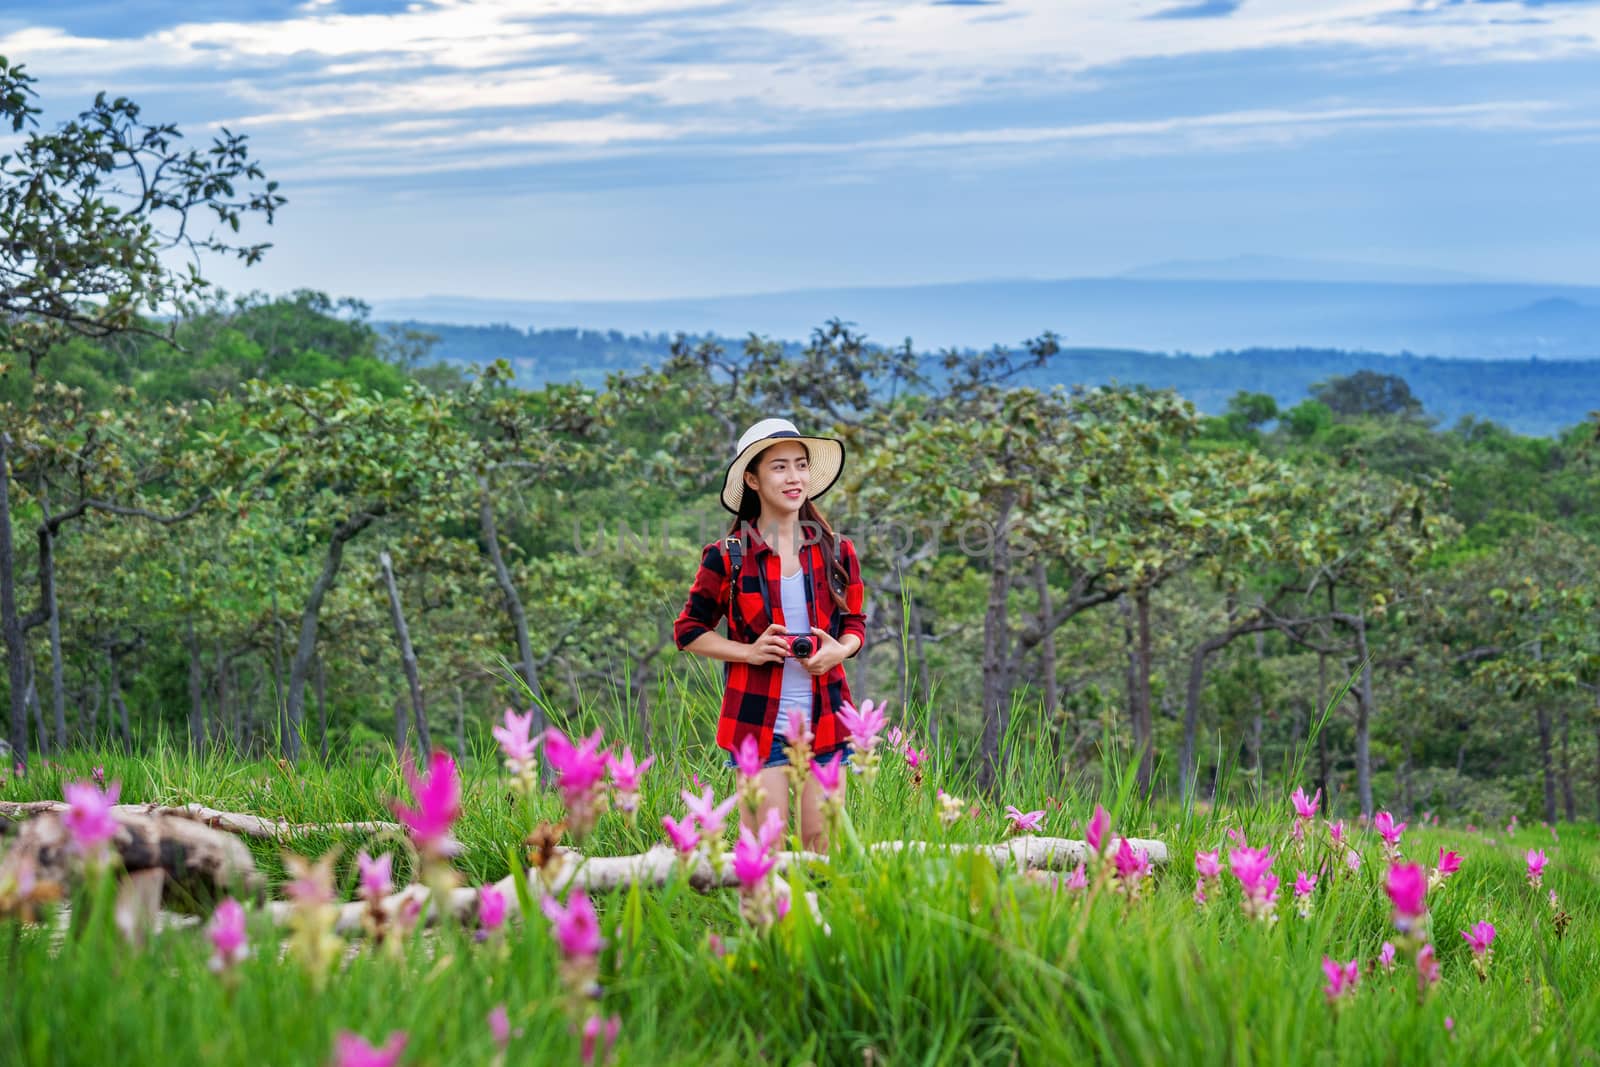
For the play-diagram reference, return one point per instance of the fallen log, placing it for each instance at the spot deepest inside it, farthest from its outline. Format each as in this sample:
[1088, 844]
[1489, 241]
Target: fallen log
[660, 864]
[198, 864]
[232, 822]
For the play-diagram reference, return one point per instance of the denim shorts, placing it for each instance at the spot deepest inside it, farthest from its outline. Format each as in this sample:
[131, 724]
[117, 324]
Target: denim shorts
[777, 757]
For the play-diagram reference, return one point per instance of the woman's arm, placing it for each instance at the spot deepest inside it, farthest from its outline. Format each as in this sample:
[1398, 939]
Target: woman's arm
[695, 628]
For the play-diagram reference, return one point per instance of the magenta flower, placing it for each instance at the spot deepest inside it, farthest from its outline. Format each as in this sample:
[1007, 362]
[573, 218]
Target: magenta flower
[88, 816]
[515, 743]
[352, 1050]
[1024, 822]
[1407, 887]
[625, 775]
[438, 797]
[227, 935]
[1389, 830]
[1132, 863]
[580, 768]
[500, 1026]
[375, 875]
[864, 725]
[576, 926]
[1342, 978]
[1079, 878]
[1095, 834]
[1208, 864]
[1305, 809]
[1536, 864]
[1336, 831]
[748, 757]
[752, 861]
[705, 810]
[491, 908]
[99, 776]
[683, 835]
[916, 757]
[1386, 956]
[594, 1028]
[1449, 863]
[770, 832]
[1253, 868]
[1480, 938]
[1427, 968]
[827, 774]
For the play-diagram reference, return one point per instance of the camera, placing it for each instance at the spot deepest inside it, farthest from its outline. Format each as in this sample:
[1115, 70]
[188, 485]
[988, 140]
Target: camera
[801, 645]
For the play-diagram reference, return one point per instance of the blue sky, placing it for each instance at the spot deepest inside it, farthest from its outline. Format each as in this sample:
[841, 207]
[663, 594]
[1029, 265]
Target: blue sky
[606, 149]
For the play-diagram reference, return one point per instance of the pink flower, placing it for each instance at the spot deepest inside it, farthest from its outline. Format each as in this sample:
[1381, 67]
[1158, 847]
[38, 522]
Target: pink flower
[1427, 968]
[88, 816]
[579, 767]
[827, 774]
[1352, 860]
[752, 860]
[500, 1026]
[1095, 835]
[576, 926]
[1132, 864]
[770, 832]
[1480, 938]
[352, 1050]
[1079, 878]
[1304, 884]
[515, 743]
[227, 935]
[1336, 831]
[748, 757]
[1408, 889]
[1449, 863]
[1389, 830]
[1024, 822]
[1237, 837]
[683, 834]
[438, 797]
[593, 1029]
[705, 810]
[1386, 956]
[375, 876]
[1208, 864]
[1305, 809]
[1253, 868]
[916, 757]
[491, 908]
[863, 726]
[625, 775]
[1342, 978]
[1536, 864]
[99, 776]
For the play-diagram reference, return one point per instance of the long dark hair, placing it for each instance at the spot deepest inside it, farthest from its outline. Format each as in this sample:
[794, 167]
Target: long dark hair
[750, 510]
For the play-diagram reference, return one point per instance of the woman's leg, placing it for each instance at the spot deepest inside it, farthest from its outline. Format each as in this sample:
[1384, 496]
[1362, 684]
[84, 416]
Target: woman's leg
[813, 827]
[775, 794]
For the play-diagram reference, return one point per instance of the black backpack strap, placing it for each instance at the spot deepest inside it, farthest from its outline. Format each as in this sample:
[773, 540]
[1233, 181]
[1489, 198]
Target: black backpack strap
[733, 549]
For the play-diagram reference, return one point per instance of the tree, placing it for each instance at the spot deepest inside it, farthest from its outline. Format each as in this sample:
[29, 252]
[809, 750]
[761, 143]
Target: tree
[1367, 392]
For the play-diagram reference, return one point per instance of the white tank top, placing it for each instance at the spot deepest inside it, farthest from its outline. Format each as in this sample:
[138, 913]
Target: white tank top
[794, 701]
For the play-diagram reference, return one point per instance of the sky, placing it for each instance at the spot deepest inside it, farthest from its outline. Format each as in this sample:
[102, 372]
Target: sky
[621, 149]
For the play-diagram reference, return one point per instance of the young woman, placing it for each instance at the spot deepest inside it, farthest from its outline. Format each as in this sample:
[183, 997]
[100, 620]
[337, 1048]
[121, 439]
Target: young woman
[780, 572]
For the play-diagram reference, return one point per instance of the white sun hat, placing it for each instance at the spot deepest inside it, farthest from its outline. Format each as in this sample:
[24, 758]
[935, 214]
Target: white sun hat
[826, 455]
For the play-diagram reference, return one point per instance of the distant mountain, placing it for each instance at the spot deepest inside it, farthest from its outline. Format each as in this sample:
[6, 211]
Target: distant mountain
[1281, 269]
[1478, 320]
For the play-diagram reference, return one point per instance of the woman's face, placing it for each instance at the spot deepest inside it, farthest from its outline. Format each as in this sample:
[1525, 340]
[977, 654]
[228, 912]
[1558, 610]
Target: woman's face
[780, 478]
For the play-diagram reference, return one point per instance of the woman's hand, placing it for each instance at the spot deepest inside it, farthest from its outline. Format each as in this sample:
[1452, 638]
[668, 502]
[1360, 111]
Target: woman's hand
[829, 654]
[770, 647]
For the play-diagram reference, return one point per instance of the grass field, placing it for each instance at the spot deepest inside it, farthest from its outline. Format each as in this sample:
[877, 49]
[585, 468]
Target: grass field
[936, 958]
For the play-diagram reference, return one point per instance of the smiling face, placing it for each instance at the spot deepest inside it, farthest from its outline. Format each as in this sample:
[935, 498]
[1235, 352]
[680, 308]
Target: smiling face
[780, 476]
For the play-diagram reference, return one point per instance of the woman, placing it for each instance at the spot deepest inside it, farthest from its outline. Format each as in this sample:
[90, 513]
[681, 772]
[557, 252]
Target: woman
[790, 575]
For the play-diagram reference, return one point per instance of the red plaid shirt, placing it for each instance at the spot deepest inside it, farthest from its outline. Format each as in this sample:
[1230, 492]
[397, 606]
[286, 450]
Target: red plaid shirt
[750, 700]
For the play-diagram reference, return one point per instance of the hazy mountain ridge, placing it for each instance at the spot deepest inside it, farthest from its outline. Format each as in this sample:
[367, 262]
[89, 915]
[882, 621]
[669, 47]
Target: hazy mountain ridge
[1471, 320]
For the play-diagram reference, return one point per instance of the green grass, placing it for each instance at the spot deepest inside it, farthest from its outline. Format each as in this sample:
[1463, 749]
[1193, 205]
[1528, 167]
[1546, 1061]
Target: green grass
[936, 959]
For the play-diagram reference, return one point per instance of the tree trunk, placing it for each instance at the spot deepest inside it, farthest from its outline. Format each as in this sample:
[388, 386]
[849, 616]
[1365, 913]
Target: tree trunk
[10, 619]
[508, 589]
[1047, 666]
[1322, 733]
[1546, 760]
[400, 719]
[996, 639]
[320, 683]
[31, 699]
[408, 656]
[114, 659]
[197, 707]
[1188, 761]
[461, 726]
[1147, 755]
[924, 683]
[58, 689]
[1364, 712]
[1568, 801]
[300, 668]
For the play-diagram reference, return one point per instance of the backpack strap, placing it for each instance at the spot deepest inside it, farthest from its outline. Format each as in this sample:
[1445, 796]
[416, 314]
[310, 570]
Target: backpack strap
[733, 550]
